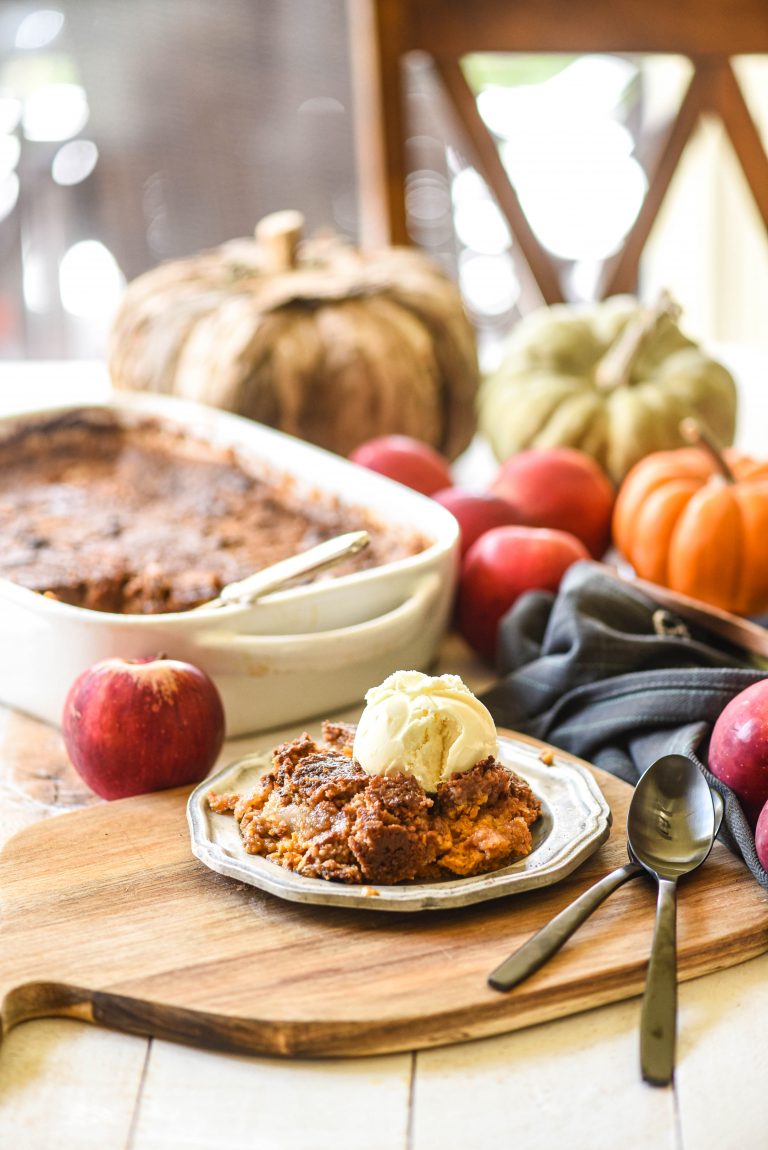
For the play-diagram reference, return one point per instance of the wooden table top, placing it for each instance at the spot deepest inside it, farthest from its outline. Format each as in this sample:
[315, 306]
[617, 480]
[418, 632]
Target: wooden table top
[573, 1082]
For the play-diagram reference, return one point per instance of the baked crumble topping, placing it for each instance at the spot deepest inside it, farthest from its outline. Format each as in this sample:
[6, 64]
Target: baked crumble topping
[316, 812]
[146, 518]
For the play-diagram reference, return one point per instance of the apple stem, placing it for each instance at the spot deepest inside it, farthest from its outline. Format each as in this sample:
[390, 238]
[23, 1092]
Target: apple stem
[614, 368]
[693, 433]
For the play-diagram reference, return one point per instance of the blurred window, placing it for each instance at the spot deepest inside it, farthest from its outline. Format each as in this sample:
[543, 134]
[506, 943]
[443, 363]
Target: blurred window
[139, 131]
[142, 131]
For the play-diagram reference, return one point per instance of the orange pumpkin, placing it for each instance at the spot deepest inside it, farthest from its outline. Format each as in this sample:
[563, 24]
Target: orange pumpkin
[697, 522]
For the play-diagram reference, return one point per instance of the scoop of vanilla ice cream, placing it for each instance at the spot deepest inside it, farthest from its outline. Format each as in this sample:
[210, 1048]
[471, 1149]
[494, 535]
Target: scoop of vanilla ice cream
[428, 726]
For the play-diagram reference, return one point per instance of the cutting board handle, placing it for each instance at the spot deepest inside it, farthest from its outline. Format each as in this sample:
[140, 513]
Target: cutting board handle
[43, 1000]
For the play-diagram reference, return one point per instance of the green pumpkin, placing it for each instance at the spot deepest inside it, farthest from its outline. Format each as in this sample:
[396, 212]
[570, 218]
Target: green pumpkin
[614, 379]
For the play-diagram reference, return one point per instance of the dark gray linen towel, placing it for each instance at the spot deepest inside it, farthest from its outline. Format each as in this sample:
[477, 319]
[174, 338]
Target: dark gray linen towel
[601, 671]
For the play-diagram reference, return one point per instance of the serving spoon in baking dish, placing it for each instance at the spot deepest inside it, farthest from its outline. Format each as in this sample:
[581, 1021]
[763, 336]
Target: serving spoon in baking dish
[271, 578]
[672, 823]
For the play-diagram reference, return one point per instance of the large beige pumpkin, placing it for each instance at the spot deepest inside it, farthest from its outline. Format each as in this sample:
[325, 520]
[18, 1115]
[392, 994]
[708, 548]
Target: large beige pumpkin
[323, 341]
[614, 379]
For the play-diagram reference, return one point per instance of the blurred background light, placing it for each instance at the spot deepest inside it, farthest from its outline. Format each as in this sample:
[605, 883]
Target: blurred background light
[9, 194]
[90, 280]
[479, 222]
[37, 294]
[569, 155]
[10, 112]
[427, 196]
[39, 29]
[74, 162]
[10, 153]
[321, 106]
[489, 283]
[55, 112]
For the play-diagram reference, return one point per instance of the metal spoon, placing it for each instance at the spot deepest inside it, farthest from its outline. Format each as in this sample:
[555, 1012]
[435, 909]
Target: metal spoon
[317, 558]
[547, 941]
[670, 830]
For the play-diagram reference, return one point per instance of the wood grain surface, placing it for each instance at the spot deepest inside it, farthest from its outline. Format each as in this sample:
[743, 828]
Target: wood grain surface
[107, 917]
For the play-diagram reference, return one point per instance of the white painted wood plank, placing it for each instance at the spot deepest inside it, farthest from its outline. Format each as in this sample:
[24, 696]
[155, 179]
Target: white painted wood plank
[571, 1083]
[196, 1100]
[68, 1085]
[722, 1070]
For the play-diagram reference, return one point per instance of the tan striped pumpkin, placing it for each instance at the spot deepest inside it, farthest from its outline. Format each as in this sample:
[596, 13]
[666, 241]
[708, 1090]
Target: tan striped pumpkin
[316, 338]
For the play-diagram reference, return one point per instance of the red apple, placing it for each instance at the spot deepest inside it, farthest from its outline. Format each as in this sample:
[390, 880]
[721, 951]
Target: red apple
[738, 749]
[137, 725]
[562, 488]
[761, 837]
[406, 460]
[499, 567]
[476, 512]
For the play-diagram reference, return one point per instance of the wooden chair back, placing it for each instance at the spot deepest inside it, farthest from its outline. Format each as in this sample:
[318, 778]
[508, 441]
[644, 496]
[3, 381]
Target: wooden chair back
[708, 32]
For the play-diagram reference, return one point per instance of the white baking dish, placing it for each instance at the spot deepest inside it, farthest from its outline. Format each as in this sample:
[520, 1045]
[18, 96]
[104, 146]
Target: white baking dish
[296, 653]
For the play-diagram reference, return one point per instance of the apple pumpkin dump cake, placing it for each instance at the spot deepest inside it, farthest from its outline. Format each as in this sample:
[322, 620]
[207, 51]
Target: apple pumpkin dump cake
[145, 517]
[413, 793]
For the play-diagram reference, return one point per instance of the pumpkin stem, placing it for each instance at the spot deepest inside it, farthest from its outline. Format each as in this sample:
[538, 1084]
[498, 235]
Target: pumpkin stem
[692, 432]
[278, 236]
[615, 366]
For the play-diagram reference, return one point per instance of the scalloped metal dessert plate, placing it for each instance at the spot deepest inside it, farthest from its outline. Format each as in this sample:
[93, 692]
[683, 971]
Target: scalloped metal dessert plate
[575, 821]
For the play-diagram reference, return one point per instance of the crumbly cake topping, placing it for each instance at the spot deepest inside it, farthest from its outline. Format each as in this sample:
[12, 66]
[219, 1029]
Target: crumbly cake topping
[148, 519]
[318, 813]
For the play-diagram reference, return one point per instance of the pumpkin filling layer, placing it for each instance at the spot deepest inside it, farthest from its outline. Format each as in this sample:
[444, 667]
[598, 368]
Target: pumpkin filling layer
[145, 519]
[319, 814]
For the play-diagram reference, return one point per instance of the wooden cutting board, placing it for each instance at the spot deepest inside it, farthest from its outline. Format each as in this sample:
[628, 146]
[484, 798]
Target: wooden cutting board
[106, 916]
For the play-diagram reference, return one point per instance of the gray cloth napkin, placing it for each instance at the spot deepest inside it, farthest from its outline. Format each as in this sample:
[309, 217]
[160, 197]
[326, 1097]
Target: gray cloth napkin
[600, 671]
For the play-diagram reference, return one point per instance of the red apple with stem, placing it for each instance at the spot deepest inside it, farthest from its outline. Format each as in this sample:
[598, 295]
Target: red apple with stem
[136, 725]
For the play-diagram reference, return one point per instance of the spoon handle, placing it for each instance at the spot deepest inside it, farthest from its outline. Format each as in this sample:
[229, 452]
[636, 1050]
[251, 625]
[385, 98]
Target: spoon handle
[272, 578]
[658, 1021]
[547, 941]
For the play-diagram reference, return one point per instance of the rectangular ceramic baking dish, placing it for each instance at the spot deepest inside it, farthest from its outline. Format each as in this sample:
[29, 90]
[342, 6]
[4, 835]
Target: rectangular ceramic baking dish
[302, 652]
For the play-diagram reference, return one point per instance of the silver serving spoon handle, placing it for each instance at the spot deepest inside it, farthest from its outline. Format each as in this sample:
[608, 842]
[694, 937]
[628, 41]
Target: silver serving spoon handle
[658, 1018]
[317, 558]
[541, 946]
[547, 941]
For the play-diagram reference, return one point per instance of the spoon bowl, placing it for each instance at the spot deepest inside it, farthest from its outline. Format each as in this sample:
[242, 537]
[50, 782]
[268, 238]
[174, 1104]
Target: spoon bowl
[671, 818]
